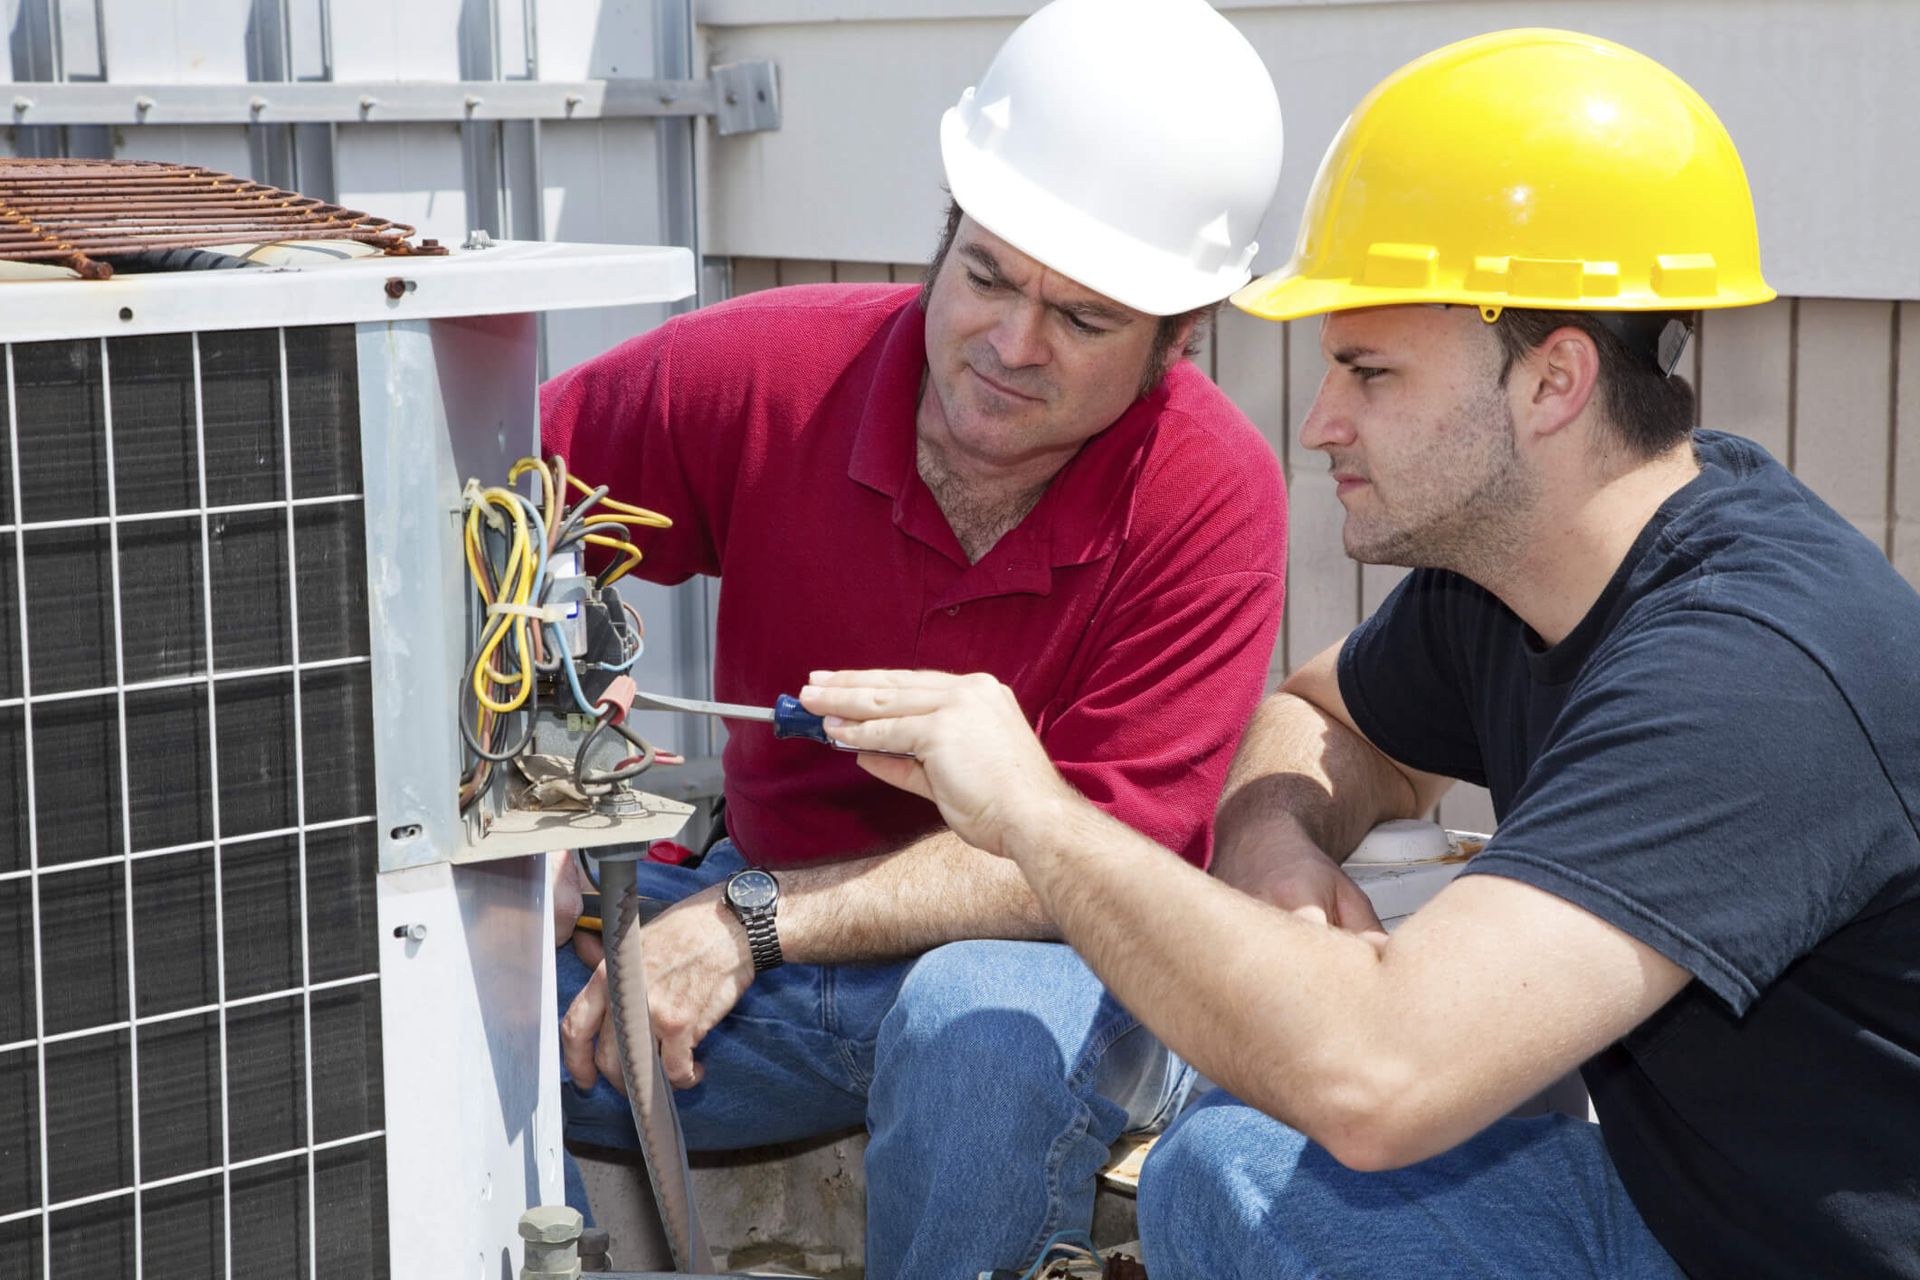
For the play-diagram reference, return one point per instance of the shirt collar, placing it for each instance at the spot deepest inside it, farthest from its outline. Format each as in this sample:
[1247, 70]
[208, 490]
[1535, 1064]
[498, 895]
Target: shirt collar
[1074, 521]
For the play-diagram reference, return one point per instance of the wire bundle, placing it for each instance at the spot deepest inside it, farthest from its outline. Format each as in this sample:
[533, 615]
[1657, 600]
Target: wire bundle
[519, 640]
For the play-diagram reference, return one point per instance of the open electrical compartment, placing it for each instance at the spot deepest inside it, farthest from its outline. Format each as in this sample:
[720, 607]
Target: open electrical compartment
[278, 1005]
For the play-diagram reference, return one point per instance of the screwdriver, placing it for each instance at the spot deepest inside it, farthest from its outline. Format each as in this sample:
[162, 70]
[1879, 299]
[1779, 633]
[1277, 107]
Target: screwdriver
[788, 718]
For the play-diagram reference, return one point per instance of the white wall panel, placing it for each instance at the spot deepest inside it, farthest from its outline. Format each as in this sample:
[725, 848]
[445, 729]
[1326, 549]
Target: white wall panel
[396, 39]
[213, 146]
[1818, 93]
[177, 41]
[407, 172]
[593, 40]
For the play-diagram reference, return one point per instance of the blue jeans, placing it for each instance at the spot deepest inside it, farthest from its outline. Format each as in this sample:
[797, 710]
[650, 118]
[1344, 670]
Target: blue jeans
[1231, 1192]
[991, 1077]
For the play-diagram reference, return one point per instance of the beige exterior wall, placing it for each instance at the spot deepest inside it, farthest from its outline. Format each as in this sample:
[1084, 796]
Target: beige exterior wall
[1826, 385]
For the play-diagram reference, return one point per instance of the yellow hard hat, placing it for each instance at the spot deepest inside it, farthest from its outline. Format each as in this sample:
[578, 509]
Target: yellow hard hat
[1527, 168]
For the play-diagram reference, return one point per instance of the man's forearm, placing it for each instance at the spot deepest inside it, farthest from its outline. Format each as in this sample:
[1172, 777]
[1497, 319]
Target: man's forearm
[938, 889]
[1266, 1005]
[1299, 766]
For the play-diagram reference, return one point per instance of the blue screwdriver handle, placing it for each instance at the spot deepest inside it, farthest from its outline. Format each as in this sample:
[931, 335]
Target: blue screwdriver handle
[791, 720]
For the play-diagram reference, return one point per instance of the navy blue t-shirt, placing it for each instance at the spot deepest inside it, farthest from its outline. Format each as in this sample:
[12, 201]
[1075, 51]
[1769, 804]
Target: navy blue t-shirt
[1722, 760]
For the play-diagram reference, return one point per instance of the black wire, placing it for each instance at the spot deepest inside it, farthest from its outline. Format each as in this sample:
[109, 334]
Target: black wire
[591, 785]
[529, 710]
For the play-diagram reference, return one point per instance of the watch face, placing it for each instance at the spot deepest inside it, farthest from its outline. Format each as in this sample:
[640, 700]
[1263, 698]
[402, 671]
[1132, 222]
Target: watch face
[752, 890]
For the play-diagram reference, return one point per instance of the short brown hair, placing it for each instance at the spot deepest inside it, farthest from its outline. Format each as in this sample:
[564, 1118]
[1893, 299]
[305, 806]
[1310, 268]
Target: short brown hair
[1649, 411]
[1163, 357]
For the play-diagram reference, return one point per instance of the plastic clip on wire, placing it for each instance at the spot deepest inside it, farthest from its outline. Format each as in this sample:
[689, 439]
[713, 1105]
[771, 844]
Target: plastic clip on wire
[512, 545]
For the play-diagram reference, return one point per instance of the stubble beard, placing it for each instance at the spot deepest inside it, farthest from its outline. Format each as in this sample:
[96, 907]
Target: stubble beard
[1475, 533]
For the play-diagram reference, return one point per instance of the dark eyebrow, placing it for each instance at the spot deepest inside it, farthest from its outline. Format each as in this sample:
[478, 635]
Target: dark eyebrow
[1088, 310]
[1096, 311]
[985, 260]
[1351, 356]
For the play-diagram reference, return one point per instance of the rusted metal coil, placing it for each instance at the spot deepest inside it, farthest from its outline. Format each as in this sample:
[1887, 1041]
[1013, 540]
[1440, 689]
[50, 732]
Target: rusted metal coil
[76, 213]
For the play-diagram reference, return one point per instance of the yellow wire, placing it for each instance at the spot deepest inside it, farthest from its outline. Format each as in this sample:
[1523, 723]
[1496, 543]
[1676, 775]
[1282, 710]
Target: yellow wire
[632, 552]
[652, 519]
[517, 583]
[516, 587]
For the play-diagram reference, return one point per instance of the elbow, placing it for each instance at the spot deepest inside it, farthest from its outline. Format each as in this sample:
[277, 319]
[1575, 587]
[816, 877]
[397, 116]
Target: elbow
[1372, 1118]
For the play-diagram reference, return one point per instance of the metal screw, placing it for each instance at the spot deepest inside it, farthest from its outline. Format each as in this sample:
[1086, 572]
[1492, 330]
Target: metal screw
[256, 104]
[143, 104]
[396, 288]
[368, 102]
[415, 932]
[22, 104]
[126, 313]
[473, 100]
[574, 100]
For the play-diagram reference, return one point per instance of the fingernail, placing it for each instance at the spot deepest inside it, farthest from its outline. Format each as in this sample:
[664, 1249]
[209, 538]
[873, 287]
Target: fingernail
[834, 722]
[819, 676]
[808, 691]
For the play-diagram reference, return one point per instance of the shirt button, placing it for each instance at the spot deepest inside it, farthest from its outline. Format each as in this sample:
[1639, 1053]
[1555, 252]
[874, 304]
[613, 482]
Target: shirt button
[953, 610]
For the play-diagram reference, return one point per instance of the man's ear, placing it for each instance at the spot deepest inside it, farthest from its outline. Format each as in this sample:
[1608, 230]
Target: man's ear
[1557, 380]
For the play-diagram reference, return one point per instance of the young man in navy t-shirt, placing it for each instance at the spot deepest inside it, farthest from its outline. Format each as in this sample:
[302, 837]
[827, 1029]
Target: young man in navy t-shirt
[1693, 689]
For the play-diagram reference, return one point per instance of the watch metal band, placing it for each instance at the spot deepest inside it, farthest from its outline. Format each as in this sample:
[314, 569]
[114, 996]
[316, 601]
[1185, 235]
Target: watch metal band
[764, 942]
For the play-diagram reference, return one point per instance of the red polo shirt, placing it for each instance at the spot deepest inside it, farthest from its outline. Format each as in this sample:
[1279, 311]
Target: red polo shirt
[1132, 612]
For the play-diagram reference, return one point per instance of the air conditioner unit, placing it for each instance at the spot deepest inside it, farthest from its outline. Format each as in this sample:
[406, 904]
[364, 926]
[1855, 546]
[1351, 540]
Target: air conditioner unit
[270, 1004]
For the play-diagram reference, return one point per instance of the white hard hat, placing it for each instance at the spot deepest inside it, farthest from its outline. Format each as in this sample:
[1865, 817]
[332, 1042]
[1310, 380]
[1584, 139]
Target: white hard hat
[1133, 145]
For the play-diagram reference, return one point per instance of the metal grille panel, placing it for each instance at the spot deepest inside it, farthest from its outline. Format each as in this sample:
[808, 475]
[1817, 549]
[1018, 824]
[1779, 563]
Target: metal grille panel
[190, 1074]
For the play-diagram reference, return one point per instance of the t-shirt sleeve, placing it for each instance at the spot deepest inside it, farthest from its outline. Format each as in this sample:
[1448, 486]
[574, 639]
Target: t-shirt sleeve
[1153, 727]
[1707, 790]
[626, 419]
[1401, 683]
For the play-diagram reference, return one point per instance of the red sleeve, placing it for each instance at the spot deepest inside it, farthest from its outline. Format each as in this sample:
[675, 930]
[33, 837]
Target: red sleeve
[622, 420]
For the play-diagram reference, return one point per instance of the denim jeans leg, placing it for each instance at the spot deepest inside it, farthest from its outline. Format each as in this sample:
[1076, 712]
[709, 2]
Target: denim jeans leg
[987, 1129]
[1229, 1192]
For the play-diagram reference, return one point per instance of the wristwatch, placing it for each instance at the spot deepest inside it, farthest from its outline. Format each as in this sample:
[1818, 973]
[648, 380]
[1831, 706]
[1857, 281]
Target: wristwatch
[754, 895]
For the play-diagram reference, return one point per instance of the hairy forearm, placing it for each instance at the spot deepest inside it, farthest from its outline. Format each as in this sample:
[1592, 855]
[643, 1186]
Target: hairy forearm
[1300, 768]
[938, 889]
[1271, 1007]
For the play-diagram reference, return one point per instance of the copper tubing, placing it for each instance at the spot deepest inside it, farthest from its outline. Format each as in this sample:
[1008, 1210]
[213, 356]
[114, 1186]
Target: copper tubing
[649, 1093]
[74, 212]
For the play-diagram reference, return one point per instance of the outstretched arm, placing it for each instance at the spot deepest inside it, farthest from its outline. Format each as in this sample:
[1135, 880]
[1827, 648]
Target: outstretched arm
[1384, 1053]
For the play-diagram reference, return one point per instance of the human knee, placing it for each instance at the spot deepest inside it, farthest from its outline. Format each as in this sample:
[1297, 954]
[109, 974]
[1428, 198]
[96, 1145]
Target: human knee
[1211, 1185]
[987, 997]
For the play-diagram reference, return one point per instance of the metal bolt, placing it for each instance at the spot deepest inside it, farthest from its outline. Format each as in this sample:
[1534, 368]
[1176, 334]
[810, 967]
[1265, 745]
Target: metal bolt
[552, 1233]
[733, 99]
[22, 104]
[256, 104]
[473, 100]
[368, 102]
[143, 104]
[415, 932]
[396, 288]
[574, 100]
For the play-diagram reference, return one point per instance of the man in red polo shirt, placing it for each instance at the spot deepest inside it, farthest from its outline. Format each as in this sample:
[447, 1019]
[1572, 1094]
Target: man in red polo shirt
[1013, 471]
